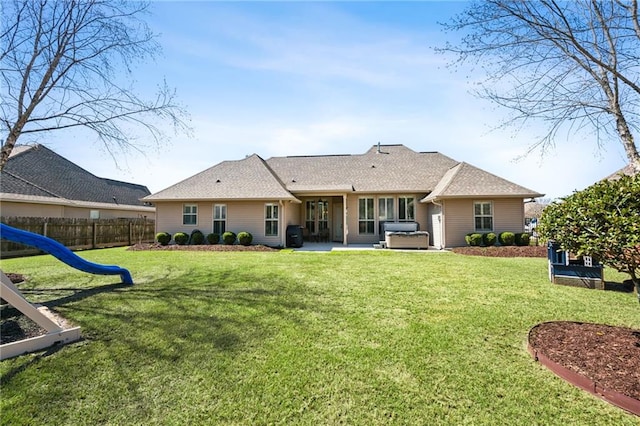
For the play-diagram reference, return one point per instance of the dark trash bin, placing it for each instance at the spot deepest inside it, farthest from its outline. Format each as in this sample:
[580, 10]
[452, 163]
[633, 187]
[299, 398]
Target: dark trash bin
[294, 236]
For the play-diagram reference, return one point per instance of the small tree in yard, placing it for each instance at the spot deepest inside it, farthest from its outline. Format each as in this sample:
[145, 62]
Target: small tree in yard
[602, 221]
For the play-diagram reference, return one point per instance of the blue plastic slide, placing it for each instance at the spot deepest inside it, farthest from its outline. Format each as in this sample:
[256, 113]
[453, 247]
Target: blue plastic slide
[62, 253]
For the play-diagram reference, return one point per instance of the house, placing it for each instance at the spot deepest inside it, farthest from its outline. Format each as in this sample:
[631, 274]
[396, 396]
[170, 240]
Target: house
[346, 198]
[37, 182]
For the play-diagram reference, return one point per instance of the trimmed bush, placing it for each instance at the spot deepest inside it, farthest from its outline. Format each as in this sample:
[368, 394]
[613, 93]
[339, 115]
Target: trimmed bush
[228, 238]
[522, 239]
[163, 238]
[197, 237]
[245, 238]
[213, 238]
[489, 239]
[475, 239]
[507, 238]
[181, 238]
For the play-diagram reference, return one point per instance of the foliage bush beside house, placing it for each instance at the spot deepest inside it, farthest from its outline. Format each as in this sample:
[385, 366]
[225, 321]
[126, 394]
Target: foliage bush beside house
[181, 238]
[197, 237]
[229, 238]
[213, 238]
[600, 221]
[245, 238]
[163, 238]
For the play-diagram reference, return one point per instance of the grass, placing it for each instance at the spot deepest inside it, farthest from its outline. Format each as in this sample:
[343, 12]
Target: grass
[373, 337]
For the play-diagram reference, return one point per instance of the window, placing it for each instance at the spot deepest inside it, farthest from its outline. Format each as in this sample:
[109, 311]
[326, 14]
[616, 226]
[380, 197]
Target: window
[366, 218]
[323, 215]
[94, 214]
[483, 215]
[385, 212]
[271, 219]
[219, 218]
[406, 211]
[189, 214]
[310, 216]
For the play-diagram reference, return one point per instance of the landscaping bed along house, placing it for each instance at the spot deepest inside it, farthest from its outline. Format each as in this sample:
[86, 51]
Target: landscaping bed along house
[602, 357]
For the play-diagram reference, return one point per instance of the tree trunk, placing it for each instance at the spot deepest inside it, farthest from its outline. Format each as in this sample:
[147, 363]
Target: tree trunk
[7, 147]
[628, 142]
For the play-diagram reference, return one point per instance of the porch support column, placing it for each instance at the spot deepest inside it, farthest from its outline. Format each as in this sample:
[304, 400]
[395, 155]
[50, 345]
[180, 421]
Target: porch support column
[345, 226]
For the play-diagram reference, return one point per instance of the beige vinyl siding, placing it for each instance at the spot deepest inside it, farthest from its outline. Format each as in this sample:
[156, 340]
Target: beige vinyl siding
[20, 209]
[10, 209]
[169, 218]
[508, 215]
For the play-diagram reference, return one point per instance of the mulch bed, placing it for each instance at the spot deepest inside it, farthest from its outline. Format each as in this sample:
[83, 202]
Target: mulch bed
[606, 355]
[201, 247]
[503, 251]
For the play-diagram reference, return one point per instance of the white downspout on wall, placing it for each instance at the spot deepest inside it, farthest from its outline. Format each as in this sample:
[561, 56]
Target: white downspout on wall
[441, 224]
[282, 224]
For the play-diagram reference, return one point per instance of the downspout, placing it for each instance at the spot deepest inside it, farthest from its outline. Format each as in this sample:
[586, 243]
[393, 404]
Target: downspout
[441, 224]
[281, 224]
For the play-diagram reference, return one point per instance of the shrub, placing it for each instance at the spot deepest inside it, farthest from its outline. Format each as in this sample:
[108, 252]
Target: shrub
[181, 238]
[213, 238]
[522, 239]
[163, 238]
[245, 238]
[228, 238]
[599, 221]
[489, 239]
[475, 239]
[506, 238]
[197, 237]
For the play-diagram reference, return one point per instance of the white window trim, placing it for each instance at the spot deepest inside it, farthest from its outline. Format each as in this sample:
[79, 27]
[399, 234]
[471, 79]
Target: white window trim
[373, 218]
[223, 219]
[267, 218]
[483, 215]
[190, 214]
[406, 219]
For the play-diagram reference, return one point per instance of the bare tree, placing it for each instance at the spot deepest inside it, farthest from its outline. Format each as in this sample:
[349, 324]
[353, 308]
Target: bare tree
[68, 63]
[575, 65]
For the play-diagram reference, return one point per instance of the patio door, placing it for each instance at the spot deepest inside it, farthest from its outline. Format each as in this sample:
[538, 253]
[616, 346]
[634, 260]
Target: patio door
[316, 217]
[337, 219]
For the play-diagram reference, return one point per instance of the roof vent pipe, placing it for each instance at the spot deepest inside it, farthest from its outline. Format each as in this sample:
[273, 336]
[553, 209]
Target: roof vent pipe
[378, 151]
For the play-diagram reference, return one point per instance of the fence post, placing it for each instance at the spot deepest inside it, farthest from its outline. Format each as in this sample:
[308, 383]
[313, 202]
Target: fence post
[130, 232]
[94, 241]
[44, 228]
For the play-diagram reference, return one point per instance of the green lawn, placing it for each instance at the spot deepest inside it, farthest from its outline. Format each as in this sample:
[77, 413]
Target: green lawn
[368, 337]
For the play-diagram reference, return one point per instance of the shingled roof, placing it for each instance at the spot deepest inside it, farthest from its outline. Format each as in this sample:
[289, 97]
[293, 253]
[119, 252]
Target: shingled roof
[37, 171]
[249, 178]
[382, 169]
[465, 180]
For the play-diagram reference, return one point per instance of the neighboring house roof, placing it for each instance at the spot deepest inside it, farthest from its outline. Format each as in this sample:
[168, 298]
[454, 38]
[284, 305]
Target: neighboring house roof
[39, 172]
[382, 169]
[465, 180]
[626, 170]
[249, 178]
[35, 199]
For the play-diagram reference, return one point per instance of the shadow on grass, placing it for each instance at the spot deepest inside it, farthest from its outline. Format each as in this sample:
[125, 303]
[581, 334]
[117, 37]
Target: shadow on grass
[28, 362]
[77, 293]
[181, 316]
[623, 287]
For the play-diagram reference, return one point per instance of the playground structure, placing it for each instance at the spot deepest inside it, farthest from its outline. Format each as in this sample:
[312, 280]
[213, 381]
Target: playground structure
[584, 271]
[56, 333]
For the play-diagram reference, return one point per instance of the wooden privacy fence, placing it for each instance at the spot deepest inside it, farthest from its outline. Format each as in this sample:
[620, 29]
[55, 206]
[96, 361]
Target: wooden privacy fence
[79, 234]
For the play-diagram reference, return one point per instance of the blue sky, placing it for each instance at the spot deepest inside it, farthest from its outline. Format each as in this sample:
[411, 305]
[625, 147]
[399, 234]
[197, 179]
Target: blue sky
[307, 78]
